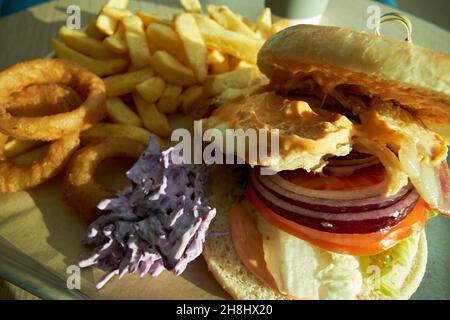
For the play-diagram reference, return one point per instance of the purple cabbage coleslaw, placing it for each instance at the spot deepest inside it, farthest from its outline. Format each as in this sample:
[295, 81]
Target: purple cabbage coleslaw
[158, 223]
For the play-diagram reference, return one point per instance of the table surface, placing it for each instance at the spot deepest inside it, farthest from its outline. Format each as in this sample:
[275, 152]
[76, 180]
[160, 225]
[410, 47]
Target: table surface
[27, 34]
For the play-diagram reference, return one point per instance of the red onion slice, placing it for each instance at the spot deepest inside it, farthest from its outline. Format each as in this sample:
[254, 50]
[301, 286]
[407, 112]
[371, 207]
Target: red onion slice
[389, 211]
[330, 205]
[371, 191]
[356, 222]
[349, 161]
[347, 170]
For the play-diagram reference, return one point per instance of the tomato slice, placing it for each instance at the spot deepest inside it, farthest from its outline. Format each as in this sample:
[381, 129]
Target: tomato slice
[358, 180]
[248, 243]
[353, 244]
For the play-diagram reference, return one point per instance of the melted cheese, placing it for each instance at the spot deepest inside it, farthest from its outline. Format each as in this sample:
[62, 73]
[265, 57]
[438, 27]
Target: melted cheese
[421, 153]
[392, 125]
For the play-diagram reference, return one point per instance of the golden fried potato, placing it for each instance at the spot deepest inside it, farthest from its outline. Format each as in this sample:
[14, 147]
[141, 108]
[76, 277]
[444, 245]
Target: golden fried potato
[172, 71]
[192, 6]
[107, 24]
[190, 97]
[215, 56]
[137, 42]
[152, 89]
[99, 67]
[124, 83]
[279, 25]
[113, 130]
[170, 99]
[234, 79]
[236, 64]
[263, 24]
[117, 42]
[153, 120]
[229, 20]
[148, 18]
[93, 32]
[221, 67]
[120, 113]
[116, 13]
[80, 42]
[234, 93]
[234, 43]
[165, 38]
[194, 46]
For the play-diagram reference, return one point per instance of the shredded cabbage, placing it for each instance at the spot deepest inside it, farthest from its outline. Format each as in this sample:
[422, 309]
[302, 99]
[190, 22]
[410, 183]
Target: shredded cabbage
[158, 223]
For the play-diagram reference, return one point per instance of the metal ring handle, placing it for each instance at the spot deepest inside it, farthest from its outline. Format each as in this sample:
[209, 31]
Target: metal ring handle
[397, 17]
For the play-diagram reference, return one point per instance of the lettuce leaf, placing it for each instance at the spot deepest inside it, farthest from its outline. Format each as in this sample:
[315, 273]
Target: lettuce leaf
[386, 272]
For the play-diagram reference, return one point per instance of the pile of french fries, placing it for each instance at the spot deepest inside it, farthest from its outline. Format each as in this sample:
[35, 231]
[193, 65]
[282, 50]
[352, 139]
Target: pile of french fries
[154, 67]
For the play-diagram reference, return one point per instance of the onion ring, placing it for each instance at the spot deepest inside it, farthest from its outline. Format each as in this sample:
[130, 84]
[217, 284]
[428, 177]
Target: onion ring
[44, 72]
[17, 177]
[38, 101]
[43, 100]
[81, 191]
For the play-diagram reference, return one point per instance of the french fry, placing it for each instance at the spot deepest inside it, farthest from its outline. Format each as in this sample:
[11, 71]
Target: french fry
[114, 130]
[80, 42]
[234, 93]
[153, 48]
[236, 64]
[279, 25]
[172, 71]
[107, 24]
[191, 6]
[193, 43]
[14, 147]
[165, 38]
[115, 13]
[152, 89]
[233, 43]
[148, 19]
[215, 56]
[234, 79]
[170, 99]
[137, 42]
[119, 112]
[99, 67]
[117, 42]
[229, 20]
[153, 120]
[263, 26]
[190, 97]
[93, 32]
[121, 84]
[247, 22]
[221, 67]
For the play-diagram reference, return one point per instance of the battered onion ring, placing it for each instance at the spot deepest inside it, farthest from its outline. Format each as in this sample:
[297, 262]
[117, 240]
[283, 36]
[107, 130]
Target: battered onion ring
[43, 100]
[81, 191]
[17, 177]
[51, 71]
[38, 101]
